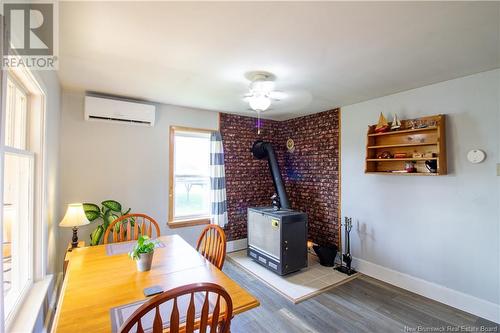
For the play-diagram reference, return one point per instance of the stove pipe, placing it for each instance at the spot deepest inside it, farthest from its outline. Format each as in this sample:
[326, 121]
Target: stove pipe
[264, 150]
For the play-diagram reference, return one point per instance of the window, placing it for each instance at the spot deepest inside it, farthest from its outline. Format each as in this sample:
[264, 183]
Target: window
[18, 197]
[189, 176]
[15, 120]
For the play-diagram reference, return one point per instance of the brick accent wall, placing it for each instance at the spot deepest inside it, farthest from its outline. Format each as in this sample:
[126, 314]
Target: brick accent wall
[248, 181]
[312, 169]
[310, 172]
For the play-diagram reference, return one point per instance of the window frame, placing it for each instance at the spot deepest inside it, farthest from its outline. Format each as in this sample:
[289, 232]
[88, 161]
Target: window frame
[12, 79]
[18, 301]
[36, 105]
[28, 151]
[191, 221]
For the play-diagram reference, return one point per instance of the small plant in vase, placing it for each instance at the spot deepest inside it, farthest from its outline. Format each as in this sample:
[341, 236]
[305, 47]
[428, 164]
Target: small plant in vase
[143, 252]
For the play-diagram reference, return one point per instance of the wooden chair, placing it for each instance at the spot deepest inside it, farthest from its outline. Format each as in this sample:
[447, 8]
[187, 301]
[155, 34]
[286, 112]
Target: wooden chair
[143, 225]
[219, 320]
[212, 245]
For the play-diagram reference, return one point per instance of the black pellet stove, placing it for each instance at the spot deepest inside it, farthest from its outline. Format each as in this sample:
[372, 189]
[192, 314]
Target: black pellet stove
[277, 235]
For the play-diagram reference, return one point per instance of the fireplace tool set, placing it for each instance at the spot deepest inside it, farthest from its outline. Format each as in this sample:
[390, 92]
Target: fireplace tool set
[346, 257]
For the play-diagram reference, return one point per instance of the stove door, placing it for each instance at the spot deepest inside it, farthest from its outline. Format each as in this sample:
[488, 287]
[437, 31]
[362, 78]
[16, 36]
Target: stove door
[264, 233]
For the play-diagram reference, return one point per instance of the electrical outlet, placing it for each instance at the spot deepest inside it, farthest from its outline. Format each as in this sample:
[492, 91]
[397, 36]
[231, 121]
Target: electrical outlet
[498, 169]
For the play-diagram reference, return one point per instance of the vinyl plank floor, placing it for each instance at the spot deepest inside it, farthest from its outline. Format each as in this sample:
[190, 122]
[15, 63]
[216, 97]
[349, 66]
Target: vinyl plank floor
[361, 305]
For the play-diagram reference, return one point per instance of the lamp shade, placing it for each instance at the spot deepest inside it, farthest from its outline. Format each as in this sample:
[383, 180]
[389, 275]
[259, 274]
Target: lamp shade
[75, 216]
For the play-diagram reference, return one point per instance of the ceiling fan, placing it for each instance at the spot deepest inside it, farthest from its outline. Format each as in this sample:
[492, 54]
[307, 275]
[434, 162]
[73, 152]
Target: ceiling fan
[261, 91]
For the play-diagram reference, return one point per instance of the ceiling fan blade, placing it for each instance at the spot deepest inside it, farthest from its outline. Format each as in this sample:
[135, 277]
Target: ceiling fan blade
[277, 95]
[261, 112]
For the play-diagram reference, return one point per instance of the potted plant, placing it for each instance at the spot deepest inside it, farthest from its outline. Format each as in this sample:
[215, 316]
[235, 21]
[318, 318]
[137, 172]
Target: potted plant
[109, 212]
[143, 252]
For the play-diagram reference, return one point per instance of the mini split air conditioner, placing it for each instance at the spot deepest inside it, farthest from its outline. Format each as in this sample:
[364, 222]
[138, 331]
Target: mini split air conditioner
[102, 108]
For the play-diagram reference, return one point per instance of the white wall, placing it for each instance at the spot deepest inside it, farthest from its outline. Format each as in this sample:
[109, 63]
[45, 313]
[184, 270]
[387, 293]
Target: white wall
[438, 236]
[122, 162]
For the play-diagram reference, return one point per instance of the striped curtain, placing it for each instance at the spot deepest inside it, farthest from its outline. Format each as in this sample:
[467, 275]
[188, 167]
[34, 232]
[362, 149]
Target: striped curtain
[217, 181]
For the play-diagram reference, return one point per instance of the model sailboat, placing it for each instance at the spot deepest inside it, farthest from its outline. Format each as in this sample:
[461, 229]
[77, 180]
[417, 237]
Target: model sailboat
[382, 125]
[396, 123]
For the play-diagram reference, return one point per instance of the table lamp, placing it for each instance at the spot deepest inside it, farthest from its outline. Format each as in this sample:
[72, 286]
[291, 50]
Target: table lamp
[74, 217]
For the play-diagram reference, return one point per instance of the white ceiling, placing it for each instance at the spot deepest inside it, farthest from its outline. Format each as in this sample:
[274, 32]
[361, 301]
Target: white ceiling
[323, 54]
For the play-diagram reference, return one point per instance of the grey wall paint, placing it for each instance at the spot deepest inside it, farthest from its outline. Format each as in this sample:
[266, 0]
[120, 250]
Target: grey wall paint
[123, 162]
[441, 229]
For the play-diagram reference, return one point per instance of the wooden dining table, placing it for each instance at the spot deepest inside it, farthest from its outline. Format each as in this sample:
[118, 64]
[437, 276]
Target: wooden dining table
[96, 282]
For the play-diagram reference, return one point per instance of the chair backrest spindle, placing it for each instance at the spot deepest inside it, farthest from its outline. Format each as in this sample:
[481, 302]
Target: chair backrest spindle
[219, 320]
[212, 245]
[121, 228]
[157, 322]
[139, 327]
[190, 315]
[215, 316]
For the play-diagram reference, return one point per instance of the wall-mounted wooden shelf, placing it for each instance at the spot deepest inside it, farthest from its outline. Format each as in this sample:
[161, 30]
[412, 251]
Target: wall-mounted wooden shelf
[403, 145]
[400, 159]
[428, 137]
[404, 173]
[411, 130]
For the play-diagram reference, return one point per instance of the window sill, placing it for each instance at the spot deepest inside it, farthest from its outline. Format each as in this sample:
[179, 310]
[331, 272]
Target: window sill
[27, 314]
[188, 223]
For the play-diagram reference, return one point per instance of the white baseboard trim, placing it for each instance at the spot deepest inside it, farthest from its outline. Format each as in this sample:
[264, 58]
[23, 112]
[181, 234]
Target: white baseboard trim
[454, 298]
[236, 245]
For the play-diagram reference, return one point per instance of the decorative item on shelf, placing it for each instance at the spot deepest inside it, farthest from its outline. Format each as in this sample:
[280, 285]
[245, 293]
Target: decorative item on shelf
[431, 165]
[406, 124]
[417, 155]
[396, 123]
[384, 155]
[347, 258]
[400, 155]
[410, 167]
[74, 218]
[108, 213]
[419, 123]
[290, 145]
[143, 252]
[429, 154]
[382, 125]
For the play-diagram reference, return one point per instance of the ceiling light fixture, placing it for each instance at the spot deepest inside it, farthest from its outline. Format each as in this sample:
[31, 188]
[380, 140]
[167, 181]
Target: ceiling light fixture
[259, 102]
[261, 91]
